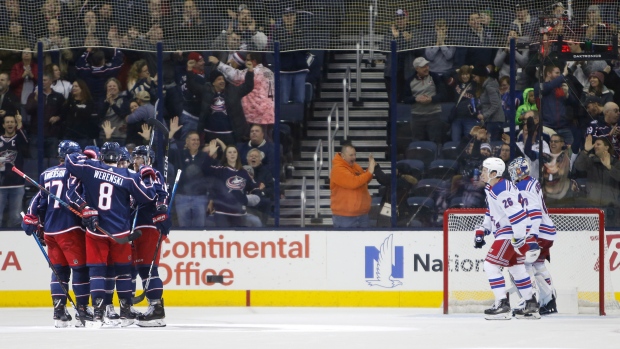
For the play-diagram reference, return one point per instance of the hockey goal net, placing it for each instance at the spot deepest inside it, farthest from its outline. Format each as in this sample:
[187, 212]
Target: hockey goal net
[578, 266]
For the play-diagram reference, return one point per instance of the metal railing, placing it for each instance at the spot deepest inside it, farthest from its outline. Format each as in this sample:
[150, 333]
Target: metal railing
[331, 136]
[302, 196]
[346, 94]
[318, 166]
[358, 74]
[371, 30]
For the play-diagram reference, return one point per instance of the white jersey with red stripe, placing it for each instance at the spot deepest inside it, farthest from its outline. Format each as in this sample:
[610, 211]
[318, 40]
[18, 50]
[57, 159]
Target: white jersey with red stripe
[505, 217]
[531, 198]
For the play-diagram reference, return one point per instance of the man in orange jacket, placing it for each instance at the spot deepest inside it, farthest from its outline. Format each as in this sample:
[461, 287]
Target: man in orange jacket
[350, 199]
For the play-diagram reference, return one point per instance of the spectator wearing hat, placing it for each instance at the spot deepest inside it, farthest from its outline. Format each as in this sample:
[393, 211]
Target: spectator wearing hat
[596, 87]
[145, 111]
[258, 105]
[607, 127]
[192, 83]
[425, 91]
[401, 32]
[490, 102]
[221, 111]
[294, 66]
[553, 99]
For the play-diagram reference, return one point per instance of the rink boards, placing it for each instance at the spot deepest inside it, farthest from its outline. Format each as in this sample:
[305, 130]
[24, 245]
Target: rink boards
[288, 268]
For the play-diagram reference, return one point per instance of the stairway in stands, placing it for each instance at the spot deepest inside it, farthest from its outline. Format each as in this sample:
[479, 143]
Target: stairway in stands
[367, 130]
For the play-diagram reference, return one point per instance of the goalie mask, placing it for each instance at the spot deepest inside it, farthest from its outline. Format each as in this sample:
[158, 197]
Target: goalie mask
[493, 165]
[518, 169]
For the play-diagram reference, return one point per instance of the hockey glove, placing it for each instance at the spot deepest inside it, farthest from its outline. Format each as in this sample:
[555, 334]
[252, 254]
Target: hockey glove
[30, 224]
[90, 218]
[161, 220]
[479, 239]
[533, 250]
[90, 153]
[147, 172]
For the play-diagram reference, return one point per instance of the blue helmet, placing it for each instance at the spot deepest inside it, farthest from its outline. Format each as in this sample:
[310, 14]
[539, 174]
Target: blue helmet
[125, 156]
[67, 147]
[110, 152]
[144, 151]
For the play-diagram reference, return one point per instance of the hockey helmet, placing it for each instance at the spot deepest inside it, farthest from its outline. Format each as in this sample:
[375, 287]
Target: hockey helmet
[110, 152]
[143, 151]
[67, 147]
[518, 169]
[125, 156]
[493, 164]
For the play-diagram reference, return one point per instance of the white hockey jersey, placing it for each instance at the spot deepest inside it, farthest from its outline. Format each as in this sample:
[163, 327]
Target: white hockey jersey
[505, 217]
[532, 200]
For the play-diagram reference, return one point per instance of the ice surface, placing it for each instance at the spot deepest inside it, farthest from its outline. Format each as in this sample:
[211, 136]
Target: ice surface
[314, 328]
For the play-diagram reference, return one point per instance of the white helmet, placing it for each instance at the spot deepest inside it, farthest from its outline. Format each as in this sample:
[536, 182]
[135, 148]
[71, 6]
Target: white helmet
[494, 164]
[518, 169]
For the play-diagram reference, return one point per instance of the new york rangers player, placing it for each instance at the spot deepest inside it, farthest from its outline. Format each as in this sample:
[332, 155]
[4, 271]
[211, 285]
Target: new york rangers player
[543, 229]
[509, 223]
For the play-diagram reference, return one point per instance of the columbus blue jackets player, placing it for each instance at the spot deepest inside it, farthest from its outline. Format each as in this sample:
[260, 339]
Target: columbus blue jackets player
[64, 237]
[152, 220]
[543, 229]
[509, 223]
[104, 190]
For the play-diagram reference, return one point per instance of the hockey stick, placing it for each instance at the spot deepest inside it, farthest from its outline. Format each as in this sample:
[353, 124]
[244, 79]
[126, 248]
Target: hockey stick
[156, 124]
[139, 298]
[64, 289]
[120, 240]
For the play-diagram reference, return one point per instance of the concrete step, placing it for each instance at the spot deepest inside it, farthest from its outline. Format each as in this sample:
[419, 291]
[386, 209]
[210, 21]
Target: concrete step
[323, 193]
[362, 111]
[309, 164]
[354, 113]
[353, 56]
[382, 95]
[344, 65]
[295, 222]
[364, 124]
[352, 133]
[365, 86]
[358, 143]
[370, 75]
[296, 202]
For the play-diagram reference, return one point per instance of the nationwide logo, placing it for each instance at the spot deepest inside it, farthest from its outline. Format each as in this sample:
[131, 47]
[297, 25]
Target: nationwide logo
[384, 264]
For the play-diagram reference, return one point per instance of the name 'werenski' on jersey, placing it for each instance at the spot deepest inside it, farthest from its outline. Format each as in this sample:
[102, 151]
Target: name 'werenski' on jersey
[58, 219]
[148, 210]
[533, 201]
[107, 189]
[505, 217]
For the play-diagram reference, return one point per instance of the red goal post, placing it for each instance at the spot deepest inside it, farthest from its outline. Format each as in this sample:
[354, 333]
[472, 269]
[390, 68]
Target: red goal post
[578, 261]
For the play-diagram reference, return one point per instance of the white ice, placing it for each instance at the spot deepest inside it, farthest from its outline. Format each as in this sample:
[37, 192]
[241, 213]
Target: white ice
[314, 328]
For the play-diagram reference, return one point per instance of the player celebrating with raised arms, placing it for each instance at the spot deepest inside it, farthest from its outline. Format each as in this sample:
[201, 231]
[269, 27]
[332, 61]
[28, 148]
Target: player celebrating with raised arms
[105, 190]
[509, 223]
[152, 220]
[64, 238]
[543, 229]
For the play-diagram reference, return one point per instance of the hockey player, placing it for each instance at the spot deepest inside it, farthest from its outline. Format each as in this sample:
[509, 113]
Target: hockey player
[64, 238]
[152, 220]
[104, 190]
[509, 223]
[543, 229]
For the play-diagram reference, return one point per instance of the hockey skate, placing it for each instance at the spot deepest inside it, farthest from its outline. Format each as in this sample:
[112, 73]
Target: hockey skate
[549, 308]
[154, 315]
[62, 318]
[83, 313]
[110, 316]
[129, 315]
[530, 311]
[499, 311]
[98, 312]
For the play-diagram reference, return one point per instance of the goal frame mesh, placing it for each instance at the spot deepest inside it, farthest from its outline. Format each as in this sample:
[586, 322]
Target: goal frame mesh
[552, 211]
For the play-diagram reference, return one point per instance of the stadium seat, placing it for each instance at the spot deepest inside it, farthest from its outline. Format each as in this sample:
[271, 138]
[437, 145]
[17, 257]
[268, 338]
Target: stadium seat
[442, 169]
[422, 150]
[450, 150]
[417, 167]
[292, 112]
[429, 187]
[456, 202]
[422, 210]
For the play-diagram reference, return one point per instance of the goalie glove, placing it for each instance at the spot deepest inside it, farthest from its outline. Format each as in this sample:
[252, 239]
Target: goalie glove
[533, 250]
[523, 245]
[479, 239]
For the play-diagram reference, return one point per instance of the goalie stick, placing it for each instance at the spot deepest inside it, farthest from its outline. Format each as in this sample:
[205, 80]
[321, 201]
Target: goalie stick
[64, 289]
[121, 240]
